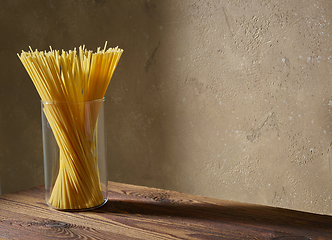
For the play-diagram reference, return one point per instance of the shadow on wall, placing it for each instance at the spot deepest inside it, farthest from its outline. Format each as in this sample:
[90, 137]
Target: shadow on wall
[139, 102]
[140, 105]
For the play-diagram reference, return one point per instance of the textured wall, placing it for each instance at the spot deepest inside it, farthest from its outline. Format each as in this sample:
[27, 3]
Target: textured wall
[227, 99]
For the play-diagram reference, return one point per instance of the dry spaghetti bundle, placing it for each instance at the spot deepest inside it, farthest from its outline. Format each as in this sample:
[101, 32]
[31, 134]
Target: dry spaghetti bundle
[71, 79]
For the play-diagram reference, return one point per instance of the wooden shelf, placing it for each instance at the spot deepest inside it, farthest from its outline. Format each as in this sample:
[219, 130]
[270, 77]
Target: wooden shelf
[135, 212]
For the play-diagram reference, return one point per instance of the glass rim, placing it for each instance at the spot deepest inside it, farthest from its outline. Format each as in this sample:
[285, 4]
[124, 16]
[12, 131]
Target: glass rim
[64, 102]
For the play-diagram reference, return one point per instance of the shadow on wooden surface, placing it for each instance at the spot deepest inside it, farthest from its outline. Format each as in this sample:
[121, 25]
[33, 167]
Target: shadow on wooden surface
[248, 215]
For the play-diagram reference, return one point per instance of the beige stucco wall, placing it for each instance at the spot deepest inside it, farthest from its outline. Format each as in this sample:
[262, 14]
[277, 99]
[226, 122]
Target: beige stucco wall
[226, 99]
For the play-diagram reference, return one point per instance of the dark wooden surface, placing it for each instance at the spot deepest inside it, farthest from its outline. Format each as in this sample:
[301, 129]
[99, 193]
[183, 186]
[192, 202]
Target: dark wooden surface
[135, 212]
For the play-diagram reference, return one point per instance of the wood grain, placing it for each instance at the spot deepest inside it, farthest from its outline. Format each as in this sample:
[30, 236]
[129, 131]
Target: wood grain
[135, 212]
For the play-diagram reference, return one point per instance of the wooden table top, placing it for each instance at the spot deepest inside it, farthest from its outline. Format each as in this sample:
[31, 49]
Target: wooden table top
[135, 212]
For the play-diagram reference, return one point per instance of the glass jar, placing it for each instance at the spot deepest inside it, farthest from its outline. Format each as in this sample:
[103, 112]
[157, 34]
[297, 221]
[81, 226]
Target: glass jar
[74, 147]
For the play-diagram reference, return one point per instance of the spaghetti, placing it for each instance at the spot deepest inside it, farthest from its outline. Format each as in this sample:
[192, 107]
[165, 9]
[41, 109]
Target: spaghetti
[66, 81]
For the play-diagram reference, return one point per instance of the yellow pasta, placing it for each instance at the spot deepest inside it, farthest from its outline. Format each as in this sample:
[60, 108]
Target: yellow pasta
[70, 79]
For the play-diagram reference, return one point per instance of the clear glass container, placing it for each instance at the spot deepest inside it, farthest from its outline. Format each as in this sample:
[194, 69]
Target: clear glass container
[74, 147]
